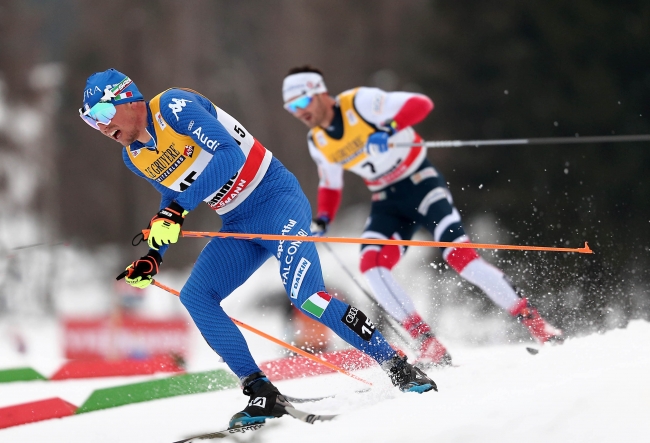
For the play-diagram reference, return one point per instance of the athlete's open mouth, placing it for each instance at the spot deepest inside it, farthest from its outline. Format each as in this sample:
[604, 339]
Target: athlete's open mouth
[116, 134]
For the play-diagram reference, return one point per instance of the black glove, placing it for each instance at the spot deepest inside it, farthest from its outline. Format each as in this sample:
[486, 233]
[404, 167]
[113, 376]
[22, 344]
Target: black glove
[319, 226]
[139, 274]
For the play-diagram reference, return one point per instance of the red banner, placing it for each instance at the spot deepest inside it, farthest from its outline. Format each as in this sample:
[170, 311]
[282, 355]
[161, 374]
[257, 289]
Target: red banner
[126, 337]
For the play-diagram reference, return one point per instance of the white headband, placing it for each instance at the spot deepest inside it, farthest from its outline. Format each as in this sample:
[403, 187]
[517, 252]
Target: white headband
[309, 83]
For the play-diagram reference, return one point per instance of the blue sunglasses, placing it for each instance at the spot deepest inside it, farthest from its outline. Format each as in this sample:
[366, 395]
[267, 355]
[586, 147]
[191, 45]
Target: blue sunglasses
[298, 103]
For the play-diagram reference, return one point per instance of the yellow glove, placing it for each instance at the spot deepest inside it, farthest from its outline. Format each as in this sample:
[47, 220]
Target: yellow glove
[139, 274]
[165, 226]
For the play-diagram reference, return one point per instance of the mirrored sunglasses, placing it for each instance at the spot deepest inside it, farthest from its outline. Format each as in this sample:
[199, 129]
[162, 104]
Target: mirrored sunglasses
[298, 103]
[100, 113]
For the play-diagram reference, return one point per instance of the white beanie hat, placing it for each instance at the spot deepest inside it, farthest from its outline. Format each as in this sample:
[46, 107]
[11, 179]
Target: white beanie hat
[302, 83]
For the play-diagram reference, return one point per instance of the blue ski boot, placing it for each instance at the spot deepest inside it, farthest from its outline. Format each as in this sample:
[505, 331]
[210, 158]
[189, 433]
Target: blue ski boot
[265, 401]
[407, 377]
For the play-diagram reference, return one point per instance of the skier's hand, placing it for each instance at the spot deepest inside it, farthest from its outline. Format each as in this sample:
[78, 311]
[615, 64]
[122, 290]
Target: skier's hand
[377, 142]
[319, 226]
[165, 226]
[139, 274]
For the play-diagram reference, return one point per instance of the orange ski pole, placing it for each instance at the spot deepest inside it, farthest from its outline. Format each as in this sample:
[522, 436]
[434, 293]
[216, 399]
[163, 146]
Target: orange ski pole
[374, 241]
[276, 341]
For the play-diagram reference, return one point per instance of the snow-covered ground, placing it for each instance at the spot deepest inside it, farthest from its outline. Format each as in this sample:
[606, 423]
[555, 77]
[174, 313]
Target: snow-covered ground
[591, 389]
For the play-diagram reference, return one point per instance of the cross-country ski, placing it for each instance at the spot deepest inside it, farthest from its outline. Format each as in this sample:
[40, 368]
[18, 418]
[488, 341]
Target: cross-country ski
[292, 412]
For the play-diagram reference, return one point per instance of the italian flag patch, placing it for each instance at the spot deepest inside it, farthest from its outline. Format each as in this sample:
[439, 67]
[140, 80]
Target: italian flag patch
[124, 95]
[317, 303]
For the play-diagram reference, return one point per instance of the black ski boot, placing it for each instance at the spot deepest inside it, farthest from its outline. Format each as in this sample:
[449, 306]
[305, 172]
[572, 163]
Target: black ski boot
[407, 377]
[265, 401]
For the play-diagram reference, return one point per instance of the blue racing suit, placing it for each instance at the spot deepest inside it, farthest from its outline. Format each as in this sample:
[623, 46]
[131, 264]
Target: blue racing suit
[200, 153]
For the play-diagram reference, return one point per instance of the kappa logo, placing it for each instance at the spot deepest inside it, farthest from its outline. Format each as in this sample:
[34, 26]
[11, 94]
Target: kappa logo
[177, 105]
[160, 121]
[189, 127]
[135, 153]
[188, 151]
[260, 402]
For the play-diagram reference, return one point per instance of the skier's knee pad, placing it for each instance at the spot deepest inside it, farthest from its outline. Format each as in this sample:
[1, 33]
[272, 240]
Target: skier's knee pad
[459, 258]
[374, 256]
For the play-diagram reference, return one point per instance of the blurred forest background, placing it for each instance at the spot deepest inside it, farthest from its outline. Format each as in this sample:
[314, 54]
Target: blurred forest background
[505, 69]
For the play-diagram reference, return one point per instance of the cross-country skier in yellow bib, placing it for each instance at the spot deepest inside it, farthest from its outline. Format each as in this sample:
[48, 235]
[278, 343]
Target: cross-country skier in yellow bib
[352, 131]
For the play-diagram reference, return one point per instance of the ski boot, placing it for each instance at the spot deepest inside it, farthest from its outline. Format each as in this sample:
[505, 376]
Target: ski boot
[265, 401]
[527, 315]
[432, 352]
[407, 377]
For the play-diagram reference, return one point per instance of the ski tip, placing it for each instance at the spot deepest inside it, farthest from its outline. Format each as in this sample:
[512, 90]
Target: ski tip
[532, 351]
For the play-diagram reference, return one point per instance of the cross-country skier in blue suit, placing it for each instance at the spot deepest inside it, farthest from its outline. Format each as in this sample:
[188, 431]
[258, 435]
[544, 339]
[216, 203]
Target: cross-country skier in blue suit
[191, 151]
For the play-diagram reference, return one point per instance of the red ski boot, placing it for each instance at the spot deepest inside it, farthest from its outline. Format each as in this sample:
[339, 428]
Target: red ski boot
[432, 352]
[537, 326]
